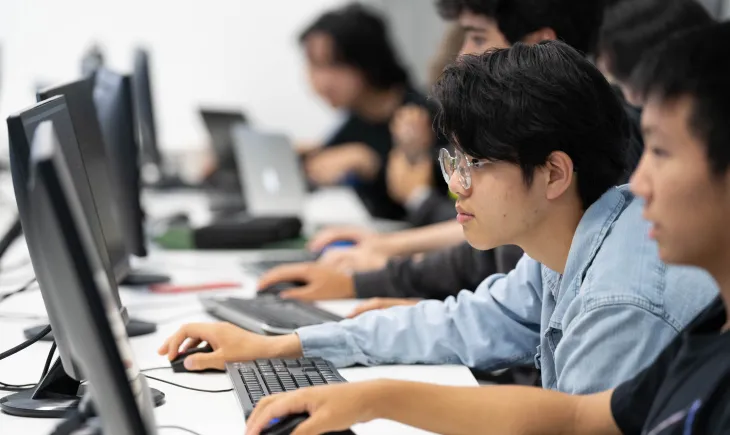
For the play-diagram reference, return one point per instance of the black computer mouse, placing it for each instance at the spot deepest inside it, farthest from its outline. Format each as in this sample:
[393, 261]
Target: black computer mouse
[179, 367]
[286, 425]
[279, 287]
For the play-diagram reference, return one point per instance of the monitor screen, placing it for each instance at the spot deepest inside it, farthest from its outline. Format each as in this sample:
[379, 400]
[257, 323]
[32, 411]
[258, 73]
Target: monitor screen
[144, 114]
[106, 196]
[88, 315]
[113, 100]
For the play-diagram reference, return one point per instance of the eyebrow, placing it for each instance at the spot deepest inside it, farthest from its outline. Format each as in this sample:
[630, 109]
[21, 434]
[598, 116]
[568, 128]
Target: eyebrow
[471, 28]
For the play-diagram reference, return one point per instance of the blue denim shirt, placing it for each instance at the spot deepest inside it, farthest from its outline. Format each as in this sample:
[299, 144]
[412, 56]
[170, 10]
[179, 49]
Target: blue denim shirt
[608, 316]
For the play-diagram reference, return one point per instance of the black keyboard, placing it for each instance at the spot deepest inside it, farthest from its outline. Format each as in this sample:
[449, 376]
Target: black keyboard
[268, 314]
[252, 381]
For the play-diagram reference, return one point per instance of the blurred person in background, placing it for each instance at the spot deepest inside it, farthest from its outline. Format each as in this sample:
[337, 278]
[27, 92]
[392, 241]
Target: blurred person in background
[353, 66]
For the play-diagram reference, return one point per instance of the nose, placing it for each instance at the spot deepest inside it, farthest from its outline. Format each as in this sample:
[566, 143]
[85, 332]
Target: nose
[639, 182]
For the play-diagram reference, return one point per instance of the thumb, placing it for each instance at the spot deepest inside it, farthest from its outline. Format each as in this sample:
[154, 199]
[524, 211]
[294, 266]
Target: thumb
[364, 307]
[203, 361]
[288, 272]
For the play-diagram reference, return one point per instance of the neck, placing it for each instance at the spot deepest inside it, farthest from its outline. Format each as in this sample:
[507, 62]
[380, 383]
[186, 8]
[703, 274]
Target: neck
[550, 243]
[378, 105]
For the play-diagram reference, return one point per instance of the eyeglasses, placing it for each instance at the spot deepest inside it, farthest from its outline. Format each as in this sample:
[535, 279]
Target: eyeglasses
[458, 163]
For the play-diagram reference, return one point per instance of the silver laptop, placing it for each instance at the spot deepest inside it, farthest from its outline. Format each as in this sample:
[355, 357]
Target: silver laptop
[271, 177]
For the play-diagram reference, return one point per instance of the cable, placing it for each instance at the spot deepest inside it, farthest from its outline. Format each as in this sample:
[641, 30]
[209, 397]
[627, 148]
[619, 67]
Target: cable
[10, 235]
[15, 387]
[25, 344]
[155, 368]
[188, 388]
[184, 429]
[48, 361]
[19, 290]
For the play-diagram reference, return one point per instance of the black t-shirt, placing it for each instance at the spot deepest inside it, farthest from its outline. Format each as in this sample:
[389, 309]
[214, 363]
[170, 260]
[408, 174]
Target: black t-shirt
[376, 135]
[686, 391]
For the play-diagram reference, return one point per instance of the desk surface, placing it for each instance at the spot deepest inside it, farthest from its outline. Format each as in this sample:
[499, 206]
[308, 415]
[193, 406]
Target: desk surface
[204, 413]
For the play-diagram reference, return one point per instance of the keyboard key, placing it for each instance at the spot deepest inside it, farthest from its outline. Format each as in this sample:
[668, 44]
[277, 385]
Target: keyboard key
[291, 363]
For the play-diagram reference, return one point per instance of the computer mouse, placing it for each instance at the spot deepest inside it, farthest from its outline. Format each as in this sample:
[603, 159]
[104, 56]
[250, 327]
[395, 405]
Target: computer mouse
[275, 289]
[286, 425]
[179, 367]
[337, 244]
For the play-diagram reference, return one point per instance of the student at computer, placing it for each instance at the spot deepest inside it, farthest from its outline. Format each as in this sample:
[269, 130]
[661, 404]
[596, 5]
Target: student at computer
[684, 179]
[379, 271]
[592, 304]
[631, 28]
[353, 66]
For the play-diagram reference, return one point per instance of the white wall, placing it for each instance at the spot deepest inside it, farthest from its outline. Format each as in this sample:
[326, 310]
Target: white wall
[235, 53]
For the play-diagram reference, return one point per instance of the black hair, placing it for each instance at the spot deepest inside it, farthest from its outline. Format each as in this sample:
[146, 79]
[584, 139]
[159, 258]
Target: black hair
[632, 28]
[576, 22]
[520, 104]
[451, 9]
[695, 64]
[360, 38]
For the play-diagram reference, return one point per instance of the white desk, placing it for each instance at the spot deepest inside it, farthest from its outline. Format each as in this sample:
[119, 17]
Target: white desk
[204, 413]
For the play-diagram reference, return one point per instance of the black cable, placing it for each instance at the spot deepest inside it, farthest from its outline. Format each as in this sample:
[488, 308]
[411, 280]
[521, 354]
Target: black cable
[14, 387]
[155, 368]
[25, 287]
[10, 235]
[188, 388]
[26, 343]
[184, 429]
[48, 361]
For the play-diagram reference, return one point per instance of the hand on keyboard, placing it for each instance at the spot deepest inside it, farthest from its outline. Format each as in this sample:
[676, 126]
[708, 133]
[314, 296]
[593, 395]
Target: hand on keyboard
[322, 282]
[230, 344]
[331, 408]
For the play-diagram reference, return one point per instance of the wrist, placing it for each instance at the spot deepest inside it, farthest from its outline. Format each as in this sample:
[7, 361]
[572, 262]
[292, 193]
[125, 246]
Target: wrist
[286, 346]
[378, 398]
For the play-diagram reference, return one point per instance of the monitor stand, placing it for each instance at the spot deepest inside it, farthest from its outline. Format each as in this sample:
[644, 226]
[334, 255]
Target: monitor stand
[135, 328]
[143, 279]
[53, 397]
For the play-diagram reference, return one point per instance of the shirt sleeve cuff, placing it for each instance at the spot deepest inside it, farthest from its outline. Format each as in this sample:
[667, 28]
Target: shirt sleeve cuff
[370, 284]
[328, 341]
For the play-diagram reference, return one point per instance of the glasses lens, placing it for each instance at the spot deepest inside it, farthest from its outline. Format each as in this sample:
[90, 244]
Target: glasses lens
[448, 164]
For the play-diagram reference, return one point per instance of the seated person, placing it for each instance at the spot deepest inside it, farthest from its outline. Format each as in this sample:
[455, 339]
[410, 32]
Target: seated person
[376, 272]
[684, 180]
[353, 66]
[591, 278]
[632, 28]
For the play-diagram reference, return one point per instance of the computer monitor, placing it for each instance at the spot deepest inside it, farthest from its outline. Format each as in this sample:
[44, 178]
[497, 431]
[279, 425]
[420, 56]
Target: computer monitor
[117, 206]
[144, 116]
[113, 101]
[106, 202]
[47, 123]
[91, 334]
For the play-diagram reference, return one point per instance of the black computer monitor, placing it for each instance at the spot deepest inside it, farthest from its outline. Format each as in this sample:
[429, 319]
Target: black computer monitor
[74, 282]
[113, 100]
[144, 115]
[117, 205]
[106, 196]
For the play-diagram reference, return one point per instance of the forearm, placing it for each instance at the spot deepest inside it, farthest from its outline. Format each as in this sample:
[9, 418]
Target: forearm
[429, 238]
[498, 409]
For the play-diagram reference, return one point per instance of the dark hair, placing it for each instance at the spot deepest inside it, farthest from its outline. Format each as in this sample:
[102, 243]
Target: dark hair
[451, 9]
[695, 64]
[633, 27]
[576, 22]
[360, 39]
[520, 104]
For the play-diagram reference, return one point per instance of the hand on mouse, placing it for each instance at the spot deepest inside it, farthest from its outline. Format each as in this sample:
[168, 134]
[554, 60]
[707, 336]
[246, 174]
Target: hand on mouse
[230, 344]
[357, 259]
[322, 282]
[333, 234]
[331, 408]
[382, 303]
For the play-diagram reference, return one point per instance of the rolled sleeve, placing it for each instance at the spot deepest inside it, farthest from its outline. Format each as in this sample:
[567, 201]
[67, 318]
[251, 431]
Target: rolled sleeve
[494, 327]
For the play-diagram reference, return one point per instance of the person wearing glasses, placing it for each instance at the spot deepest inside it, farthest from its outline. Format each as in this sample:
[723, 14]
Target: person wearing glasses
[539, 139]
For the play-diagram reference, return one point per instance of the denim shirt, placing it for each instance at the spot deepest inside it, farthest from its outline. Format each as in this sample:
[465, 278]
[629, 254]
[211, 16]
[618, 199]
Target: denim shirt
[611, 312]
